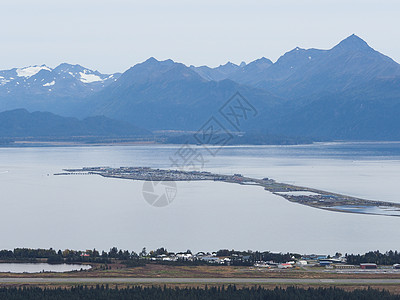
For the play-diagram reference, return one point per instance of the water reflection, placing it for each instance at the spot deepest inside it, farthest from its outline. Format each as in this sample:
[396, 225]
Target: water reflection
[40, 267]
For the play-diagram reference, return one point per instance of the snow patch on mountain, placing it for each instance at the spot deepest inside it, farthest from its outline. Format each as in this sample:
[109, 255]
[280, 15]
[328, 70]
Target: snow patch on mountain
[30, 71]
[50, 83]
[89, 78]
[3, 81]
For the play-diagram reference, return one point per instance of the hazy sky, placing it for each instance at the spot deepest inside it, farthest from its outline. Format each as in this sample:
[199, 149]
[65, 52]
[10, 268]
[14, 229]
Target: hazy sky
[113, 35]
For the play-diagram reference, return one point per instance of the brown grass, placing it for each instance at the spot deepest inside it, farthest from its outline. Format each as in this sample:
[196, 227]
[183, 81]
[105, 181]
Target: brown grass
[168, 271]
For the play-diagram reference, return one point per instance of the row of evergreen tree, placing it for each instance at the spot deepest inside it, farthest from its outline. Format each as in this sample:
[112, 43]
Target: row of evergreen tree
[230, 292]
[239, 257]
[387, 258]
[133, 258]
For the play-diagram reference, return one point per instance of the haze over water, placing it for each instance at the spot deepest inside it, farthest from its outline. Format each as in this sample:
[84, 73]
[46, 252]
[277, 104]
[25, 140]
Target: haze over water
[86, 212]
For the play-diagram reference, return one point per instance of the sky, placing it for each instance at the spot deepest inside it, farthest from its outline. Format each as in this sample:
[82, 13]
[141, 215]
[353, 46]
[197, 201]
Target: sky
[113, 35]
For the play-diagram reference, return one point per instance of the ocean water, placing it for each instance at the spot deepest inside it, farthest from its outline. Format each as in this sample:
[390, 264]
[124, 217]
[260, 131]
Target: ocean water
[39, 209]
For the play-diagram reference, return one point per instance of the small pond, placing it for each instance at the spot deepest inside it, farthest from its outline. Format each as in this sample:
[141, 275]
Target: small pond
[40, 267]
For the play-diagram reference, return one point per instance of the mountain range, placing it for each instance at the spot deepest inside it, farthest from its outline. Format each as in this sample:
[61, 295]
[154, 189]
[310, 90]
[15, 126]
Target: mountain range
[19, 123]
[349, 92]
[43, 88]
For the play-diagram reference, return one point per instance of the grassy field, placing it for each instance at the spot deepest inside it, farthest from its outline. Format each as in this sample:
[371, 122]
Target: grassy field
[206, 271]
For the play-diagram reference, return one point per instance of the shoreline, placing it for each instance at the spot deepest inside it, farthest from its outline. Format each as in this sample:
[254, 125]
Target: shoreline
[311, 197]
[50, 143]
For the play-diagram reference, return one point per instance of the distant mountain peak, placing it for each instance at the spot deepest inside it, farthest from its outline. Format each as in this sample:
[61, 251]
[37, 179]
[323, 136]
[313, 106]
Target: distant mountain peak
[155, 62]
[263, 60]
[31, 70]
[228, 64]
[295, 50]
[151, 60]
[353, 42]
[40, 81]
[67, 65]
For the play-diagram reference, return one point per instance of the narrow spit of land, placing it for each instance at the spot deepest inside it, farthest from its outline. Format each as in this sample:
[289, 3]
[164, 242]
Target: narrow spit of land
[298, 194]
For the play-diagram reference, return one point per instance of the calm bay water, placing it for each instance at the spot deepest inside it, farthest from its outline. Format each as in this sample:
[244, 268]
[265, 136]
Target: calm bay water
[40, 267]
[86, 212]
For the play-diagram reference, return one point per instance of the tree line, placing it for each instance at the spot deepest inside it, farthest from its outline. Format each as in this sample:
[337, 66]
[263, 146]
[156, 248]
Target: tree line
[387, 258]
[254, 256]
[230, 292]
[131, 258]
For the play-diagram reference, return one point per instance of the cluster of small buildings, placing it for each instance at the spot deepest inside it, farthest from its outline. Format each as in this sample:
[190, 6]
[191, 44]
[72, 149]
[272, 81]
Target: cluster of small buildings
[146, 173]
[271, 264]
[338, 263]
[306, 260]
[319, 261]
[313, 260]
[210, 258]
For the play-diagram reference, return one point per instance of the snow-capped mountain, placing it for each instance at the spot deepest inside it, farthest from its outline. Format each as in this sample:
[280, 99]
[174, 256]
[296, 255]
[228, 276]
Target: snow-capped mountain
[348, 92]
[64, 80]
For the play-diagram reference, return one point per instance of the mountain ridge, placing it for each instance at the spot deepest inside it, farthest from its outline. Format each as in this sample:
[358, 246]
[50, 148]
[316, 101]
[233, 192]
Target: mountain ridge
[20, 123]
[351, 85]
[49, 89]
